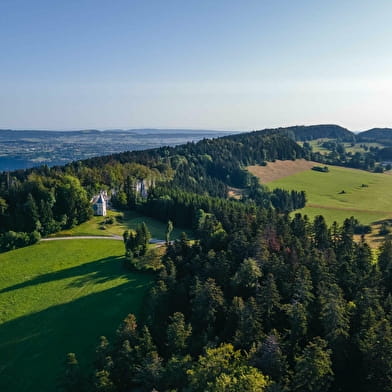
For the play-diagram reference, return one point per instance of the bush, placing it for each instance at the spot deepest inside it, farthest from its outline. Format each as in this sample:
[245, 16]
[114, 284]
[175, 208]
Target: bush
[384, 229]
[323, 169]
[362, 229]
[13, 240]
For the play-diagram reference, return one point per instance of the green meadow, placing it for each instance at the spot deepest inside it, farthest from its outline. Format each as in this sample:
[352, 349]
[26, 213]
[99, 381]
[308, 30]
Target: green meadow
[121, 222]
[58, 297]
[349, 147]
[342, 193]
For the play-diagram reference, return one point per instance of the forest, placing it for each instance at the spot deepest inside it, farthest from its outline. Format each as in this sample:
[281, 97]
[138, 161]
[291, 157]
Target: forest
[260, 301]
[45, 200]
[273, 304]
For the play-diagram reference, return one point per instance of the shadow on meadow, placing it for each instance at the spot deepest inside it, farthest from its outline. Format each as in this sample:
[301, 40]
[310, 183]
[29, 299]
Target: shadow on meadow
[98, 271]
[33, 347]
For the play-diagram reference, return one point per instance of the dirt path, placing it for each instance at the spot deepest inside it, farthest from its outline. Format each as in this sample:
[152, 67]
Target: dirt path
[97, 237]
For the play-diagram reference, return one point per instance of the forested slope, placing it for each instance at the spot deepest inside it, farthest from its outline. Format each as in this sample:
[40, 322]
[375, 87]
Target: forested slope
[259, 302]
[44, 200]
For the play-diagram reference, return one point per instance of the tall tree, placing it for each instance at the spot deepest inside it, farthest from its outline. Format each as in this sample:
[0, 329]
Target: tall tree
[178, 333]
[313, 368]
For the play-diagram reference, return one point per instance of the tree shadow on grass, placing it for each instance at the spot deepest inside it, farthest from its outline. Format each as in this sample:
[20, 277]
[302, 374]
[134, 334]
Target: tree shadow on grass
[98, 271]
[33, 347]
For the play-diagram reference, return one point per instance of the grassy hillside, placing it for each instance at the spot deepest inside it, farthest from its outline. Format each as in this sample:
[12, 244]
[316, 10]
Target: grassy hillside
[366, 195]
[58, 297]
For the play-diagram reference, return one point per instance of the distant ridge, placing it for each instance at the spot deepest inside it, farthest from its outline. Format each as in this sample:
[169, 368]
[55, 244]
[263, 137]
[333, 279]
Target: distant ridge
[328, 131]
[136, 130]
[299, 132]
[376, 134]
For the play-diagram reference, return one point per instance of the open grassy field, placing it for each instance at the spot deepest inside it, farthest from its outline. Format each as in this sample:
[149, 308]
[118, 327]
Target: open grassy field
[367, 196]
[280, 169]
[122, 221]
[58, 297]
[317, 146]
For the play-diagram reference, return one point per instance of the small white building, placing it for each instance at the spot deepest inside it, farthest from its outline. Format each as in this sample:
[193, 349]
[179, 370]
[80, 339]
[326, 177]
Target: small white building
[99, 203]
[142, 187]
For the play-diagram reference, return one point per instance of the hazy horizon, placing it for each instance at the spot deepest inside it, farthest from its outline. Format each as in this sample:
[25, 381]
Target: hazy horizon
[225, 65]
[160, 129]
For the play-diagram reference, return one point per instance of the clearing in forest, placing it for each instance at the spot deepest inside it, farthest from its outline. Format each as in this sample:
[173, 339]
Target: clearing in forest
[280, 169]
[338, 194]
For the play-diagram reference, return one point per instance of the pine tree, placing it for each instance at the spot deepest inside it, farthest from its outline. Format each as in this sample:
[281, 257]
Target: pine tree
[178, 333]
[128, 330]
[169, 229]
[247, 277]
[376, 348]
[31, 215]
[269, 358]
[313, 369]
[102, 382]
[269, 300]
[72, 380]
[385, 264]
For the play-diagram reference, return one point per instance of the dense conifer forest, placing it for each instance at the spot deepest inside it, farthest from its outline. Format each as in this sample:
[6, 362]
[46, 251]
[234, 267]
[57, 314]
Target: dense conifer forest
[259, 301]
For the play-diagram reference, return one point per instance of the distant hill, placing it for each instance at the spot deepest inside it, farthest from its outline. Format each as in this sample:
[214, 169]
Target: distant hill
[380, 135]
[327, 131]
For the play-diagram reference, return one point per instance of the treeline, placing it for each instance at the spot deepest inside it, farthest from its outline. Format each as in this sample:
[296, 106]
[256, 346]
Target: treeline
[206, 167]
[377, 135]
[281, 199]
[183, 207]
[289, 304]
[46, 200]
[41, 204]
[38, 202]
[366, 160]
[324, 131]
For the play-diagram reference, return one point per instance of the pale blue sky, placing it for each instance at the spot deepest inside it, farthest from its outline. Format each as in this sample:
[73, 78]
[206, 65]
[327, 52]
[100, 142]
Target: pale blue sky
[215, 64]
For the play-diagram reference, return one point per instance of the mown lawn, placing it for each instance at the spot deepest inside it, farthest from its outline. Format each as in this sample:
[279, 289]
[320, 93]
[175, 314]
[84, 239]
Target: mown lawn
[342, 193]
[59, 297]
[122, 221]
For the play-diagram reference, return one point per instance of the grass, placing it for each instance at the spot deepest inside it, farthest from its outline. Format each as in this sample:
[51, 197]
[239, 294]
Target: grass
[58, 297]
[316, 146]
[367, 195]
[122, 221]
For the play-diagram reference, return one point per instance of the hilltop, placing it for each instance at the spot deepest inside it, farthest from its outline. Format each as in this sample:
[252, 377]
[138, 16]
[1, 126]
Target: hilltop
[381, 135]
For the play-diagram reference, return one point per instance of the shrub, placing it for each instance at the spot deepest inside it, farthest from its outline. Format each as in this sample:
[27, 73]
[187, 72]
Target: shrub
[13, 240]
[362, 229]
[323, 169]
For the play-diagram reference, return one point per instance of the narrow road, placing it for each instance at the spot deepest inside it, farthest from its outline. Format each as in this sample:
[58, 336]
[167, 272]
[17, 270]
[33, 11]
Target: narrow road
[97, 237]
[84, 237]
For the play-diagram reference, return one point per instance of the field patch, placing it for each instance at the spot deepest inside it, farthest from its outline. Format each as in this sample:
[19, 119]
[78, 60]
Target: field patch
[317, 145]
[59, 297]
[99, 225]
[341, 193]
[279, 169]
